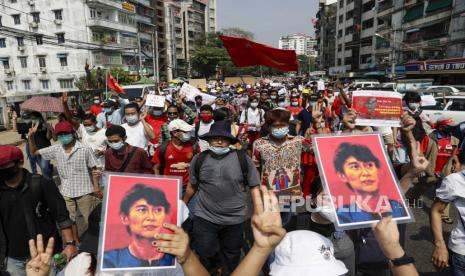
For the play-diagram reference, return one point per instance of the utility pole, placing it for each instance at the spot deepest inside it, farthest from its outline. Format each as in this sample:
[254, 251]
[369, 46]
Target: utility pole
[157, 59]
[140, 51]
[156, 70]
[393, 58]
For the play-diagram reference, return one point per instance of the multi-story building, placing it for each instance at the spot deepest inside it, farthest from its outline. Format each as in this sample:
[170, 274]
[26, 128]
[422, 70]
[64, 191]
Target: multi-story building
[377, 38]
[311, 44]
[185, 22]
[325, 32]
[301, 43]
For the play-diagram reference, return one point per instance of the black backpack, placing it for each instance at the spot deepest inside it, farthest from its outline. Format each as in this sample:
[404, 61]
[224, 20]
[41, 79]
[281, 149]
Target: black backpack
[241, 155]
[161, 155]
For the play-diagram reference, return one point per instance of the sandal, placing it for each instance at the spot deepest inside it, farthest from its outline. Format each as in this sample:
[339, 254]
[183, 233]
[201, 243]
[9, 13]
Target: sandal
[447, 220]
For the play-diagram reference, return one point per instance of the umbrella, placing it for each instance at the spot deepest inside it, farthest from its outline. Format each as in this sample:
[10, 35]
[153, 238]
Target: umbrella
[43, 104]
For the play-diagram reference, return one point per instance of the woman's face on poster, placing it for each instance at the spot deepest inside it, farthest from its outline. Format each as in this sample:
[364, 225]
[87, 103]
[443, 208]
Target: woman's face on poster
[144, 220]
[361, 176]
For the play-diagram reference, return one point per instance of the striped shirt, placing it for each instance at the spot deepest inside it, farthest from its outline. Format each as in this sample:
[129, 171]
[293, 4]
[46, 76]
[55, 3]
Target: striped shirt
[73, 168]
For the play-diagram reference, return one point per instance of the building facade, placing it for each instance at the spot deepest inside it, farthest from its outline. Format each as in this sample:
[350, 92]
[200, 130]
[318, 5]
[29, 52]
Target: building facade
[302, 44]
[325, 33]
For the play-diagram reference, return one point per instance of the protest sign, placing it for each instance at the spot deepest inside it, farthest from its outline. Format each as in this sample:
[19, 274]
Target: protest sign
[359, 180]
[321, 85]
[199, 83]
[428, 100]
[134, 210]
[155, 100]
[190, 92]
[377, 108]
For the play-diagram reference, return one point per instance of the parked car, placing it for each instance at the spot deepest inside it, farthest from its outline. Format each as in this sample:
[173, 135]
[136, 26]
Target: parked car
[437, 90]
[359, 84]
[454, 107]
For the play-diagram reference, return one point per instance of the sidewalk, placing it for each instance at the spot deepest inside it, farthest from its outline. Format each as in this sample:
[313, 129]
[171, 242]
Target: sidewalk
[8, 137]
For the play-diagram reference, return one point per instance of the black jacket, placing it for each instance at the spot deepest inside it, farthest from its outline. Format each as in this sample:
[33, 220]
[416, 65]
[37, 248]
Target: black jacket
[44, 209]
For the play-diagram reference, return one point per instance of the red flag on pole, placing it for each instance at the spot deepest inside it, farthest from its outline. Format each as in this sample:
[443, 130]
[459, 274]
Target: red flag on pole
[244, 53]
[113, 84]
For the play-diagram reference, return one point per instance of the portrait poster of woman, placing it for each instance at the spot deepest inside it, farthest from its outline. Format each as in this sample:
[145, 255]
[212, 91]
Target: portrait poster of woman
[135, 209]
[360, 180]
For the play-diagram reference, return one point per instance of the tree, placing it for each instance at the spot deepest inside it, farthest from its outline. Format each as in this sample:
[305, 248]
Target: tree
[122, 76]
[205, 59]
[238, 32]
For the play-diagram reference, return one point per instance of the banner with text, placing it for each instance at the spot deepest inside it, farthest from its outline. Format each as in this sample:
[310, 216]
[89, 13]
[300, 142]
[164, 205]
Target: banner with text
[377, 108]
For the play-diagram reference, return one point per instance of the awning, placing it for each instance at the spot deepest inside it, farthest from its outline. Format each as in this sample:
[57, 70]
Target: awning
[435, 5]
[414, 13]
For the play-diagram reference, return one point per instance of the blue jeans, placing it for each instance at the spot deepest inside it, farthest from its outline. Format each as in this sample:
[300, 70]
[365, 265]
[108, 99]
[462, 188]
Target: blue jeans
[16, 267]
[457, 263]
[44, 165]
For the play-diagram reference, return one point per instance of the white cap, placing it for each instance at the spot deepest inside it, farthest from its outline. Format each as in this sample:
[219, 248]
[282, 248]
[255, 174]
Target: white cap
[178, 124]
[248, 86]
[305, 252]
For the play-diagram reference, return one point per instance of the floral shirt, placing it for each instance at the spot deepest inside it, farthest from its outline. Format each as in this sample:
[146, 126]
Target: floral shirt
[280, 164]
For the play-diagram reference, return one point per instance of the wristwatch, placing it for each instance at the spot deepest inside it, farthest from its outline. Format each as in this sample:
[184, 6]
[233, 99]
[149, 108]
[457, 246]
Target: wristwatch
[402, 260]
[73, 243]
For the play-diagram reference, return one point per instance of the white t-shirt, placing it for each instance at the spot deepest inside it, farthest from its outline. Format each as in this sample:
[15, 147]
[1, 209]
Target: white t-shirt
[384, 130]
[203, 129]
[254, 117]
[136, 135]
[453, 190]
[97, 141]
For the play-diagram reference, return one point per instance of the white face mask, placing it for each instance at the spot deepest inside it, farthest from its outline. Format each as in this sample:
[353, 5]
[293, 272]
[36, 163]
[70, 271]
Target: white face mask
[414, 106]
[325, 209]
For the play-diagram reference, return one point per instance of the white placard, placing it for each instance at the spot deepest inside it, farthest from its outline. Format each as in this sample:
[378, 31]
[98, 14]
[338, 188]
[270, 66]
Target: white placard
[428, 100]
[321, 85]
[190, 92]
[155, 100]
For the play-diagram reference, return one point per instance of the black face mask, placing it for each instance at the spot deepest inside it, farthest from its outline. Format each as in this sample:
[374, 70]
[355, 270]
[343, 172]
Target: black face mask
[8, 173]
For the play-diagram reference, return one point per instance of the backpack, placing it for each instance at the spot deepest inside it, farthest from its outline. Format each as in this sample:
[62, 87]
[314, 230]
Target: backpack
[241, 155]
[161, 155]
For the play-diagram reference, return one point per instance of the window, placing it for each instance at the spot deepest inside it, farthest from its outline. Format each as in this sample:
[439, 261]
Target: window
[58, 14]
[39, 40]
[368, 6]
[63, 61]
[27, 84]
[365, 59]
[44, 84]
[350, 30]
[2, 43]
[341, 4]
[350, 14]
[339, 33]
[23, 61]
[61, 38]
[339, 47]
[17, 19]
[341, 18]
[6, 64]
[66, 83]
[367, 24]
[339, 62]
[457, 105]
[14, 1]
[9, 85]
[348, 61]
[35, 17]
[42, 62]
[1, 21]
[20, 41]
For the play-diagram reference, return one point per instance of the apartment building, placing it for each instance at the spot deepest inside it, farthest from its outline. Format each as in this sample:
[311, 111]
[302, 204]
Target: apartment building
[301, 43]
[325, 33]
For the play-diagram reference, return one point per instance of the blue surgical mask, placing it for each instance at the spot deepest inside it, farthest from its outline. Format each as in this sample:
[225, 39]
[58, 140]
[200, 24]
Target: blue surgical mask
[254, 105]
[132, 119]
[185, 137]
[117, 145]
[65, 139]
[219, 150]
[281, 104]
[280, 133]
[157, 113]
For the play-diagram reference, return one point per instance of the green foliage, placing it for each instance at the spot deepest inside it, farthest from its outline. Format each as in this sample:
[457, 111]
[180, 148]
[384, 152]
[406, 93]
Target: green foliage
[122, 76]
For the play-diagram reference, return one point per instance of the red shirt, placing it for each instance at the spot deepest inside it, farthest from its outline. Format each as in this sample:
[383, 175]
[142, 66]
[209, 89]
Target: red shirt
[95, 109]
[139, 163]
[156, 123]
[445, 150]
[294, 110]
[176, 160]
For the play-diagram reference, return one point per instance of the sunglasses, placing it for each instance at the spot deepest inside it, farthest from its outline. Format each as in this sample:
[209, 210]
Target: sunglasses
[172, 113]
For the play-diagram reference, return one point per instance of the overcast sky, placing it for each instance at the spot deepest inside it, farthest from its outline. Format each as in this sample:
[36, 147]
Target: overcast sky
[268, 19]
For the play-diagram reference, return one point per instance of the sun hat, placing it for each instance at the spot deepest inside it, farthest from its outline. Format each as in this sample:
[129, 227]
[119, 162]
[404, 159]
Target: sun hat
[220, 129]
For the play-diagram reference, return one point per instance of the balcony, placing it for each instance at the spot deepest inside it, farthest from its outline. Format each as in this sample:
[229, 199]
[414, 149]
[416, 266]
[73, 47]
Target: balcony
[142, 2]
[128, 42]
[143, 19]
[145, 36]
[109, 3]
[112, 24]
[105, 59]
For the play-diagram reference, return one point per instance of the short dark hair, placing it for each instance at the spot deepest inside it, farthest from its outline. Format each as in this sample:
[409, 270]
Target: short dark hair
[206, 107]
[173, 106]
[221, 114]
[36, 114]
[253, 98]
[153, 196]
[132, 105]
[115, 130]
[277, 115]
[198, 97]
[359, 152]
[412, 97]
[89, 117]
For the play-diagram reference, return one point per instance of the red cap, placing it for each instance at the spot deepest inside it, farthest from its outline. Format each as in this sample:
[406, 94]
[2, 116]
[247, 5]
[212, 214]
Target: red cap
[10, 153]
[64, 127]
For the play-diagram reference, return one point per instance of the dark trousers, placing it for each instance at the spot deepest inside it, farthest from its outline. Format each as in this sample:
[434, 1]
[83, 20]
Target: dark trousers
[211, 239]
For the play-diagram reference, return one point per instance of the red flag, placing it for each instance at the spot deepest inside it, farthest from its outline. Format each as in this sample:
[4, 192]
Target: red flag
[113, 84]
[244, 53]
[358, 28]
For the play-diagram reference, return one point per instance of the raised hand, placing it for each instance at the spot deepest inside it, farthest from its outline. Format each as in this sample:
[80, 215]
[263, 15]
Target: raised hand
[41, 259]
[33, 129]
[349, 119]
[143, 115]
[387, 236]
[419, 164]
[266, 220]
[64, 97]
[408, 122]
[176, 244]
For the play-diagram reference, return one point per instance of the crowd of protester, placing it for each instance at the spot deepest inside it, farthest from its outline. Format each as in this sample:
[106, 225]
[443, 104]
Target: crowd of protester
[224, 152]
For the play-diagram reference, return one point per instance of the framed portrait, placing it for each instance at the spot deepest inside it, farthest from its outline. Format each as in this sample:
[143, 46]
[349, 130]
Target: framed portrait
[134, 210]
[359, 179]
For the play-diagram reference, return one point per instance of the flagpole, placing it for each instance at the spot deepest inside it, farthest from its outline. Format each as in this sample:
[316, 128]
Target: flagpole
[106, 85]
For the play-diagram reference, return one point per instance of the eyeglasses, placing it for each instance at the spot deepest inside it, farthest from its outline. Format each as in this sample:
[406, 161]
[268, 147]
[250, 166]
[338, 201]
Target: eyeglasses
[172, 113]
